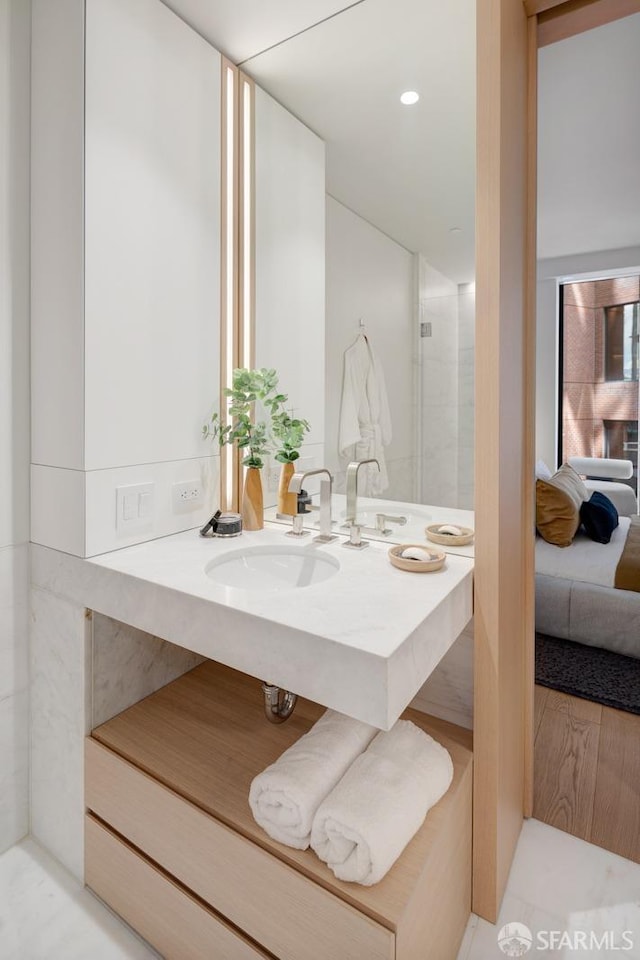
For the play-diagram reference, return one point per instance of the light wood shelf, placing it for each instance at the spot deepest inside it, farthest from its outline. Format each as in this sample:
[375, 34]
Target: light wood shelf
[175, 769]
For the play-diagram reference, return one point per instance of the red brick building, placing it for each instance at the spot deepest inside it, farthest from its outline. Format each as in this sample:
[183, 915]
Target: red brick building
[601, 354]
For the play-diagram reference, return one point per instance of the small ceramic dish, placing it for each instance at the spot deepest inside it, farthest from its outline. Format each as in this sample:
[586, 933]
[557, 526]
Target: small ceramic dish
[416, 566]
[465, 537]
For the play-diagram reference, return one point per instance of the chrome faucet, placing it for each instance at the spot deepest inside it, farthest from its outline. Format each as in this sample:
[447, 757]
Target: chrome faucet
[352, 489]
[295, 486]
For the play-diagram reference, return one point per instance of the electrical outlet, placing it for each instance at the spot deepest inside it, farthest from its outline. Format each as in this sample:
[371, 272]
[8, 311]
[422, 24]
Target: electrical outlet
[187, 494]
[273, 477]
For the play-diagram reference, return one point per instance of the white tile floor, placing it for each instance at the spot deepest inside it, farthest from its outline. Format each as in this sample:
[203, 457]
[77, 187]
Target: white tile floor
[557, 883]
[46, 915]
[560, 883]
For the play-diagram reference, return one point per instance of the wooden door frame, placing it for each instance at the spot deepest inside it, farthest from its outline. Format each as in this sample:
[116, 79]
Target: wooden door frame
[560, 19]
[504, 407]
[509, 35]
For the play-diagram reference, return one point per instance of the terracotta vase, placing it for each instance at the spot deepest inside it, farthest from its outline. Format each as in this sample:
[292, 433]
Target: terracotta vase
[252, 502]
[287, 502]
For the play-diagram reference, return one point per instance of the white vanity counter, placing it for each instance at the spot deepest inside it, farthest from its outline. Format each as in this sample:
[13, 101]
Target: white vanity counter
[363, 641]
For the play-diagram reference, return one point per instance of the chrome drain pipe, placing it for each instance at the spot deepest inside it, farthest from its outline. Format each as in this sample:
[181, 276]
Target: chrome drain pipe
[278, 704]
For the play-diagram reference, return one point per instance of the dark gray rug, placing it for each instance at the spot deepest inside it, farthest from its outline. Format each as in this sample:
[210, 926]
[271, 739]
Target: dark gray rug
[588, 672]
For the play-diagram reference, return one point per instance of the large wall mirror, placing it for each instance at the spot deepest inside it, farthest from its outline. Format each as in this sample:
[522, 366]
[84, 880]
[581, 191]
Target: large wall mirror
[365, 247]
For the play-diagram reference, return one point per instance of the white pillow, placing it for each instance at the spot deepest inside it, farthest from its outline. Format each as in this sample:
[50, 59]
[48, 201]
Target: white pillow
[542, 471]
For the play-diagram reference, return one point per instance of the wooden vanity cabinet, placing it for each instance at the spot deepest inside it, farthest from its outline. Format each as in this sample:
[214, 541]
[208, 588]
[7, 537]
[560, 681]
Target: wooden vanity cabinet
[172, 847]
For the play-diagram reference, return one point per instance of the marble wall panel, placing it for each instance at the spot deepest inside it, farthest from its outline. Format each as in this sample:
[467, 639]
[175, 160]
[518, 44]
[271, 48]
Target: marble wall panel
[129, 664]
[60, 720]
[448, 693]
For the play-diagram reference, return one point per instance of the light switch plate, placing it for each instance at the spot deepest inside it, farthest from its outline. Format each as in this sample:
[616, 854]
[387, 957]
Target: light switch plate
[134, 506]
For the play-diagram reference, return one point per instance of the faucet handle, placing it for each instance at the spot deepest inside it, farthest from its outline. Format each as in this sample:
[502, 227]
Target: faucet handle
[355, 538]
[297, 527]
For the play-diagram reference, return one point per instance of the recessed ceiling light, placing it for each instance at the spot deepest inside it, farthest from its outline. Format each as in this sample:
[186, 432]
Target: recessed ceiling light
[409, 97]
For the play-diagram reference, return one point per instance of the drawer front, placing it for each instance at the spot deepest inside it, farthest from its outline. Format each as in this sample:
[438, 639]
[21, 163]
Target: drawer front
[173, 922]
[288, 914]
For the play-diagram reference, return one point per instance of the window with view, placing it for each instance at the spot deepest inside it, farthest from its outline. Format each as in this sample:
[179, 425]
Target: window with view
[621, 341]
[600, 369]
[621, 443]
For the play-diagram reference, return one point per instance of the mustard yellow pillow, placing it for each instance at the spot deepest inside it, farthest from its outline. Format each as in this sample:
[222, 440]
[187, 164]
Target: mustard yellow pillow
[558, 502]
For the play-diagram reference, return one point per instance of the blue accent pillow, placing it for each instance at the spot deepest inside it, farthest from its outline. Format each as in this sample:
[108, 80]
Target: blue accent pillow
[599, 517]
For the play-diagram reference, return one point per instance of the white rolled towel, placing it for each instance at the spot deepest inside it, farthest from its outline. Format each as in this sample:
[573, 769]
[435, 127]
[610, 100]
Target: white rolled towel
[365, 823]
[284, 797]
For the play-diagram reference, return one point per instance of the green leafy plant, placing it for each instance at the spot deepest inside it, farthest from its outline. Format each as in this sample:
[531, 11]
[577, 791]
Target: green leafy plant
[248, 387]
[286, 430]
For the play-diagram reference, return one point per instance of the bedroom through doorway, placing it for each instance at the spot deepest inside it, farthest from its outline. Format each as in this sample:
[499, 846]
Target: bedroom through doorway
[587, 696]
[587, 693]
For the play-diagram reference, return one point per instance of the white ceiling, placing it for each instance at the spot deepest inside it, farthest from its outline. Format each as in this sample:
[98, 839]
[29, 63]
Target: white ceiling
[589, 141]
[243, 28]
[408, 170]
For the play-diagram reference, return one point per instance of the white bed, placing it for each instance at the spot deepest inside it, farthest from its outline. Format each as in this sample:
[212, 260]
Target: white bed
[584, 560]
[576, 598]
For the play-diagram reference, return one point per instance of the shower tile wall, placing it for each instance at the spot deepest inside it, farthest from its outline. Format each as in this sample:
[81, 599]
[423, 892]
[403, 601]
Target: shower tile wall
[439, 387]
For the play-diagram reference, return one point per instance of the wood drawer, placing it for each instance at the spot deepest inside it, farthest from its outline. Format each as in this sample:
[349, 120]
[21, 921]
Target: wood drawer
[238, 878]
[171, 920]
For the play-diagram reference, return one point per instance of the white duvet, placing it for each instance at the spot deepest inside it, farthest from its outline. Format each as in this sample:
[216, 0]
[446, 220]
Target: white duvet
[584, 560]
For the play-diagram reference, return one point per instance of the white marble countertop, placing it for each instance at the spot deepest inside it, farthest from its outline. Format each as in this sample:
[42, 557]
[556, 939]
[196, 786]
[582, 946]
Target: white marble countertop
[362, 642]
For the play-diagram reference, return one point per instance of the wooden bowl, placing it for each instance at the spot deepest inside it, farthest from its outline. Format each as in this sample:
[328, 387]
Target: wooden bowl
[448, 538]
[416, 566]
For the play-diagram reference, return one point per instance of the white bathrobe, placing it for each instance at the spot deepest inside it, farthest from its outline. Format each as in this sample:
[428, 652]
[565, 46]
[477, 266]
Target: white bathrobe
[365, 421]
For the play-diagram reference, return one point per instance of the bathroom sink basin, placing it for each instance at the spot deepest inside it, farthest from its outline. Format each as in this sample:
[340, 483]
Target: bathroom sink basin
[272, 568]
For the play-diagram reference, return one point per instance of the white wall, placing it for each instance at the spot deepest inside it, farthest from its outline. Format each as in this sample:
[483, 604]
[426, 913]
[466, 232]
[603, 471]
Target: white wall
[57, 235]
[290, 268]
[549, 272]
[14, 417]
[371, 276]
[439, 371]
[589, 140]
[126, 295]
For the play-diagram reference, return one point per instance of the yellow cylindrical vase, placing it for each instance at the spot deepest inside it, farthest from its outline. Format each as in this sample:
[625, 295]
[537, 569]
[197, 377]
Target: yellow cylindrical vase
[252, 501]
[287, 502]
